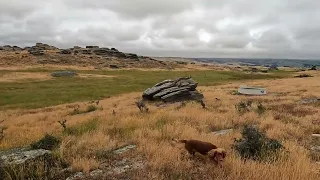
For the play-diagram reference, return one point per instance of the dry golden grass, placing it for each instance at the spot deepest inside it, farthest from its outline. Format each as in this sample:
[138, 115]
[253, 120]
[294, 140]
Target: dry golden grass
[284, 119]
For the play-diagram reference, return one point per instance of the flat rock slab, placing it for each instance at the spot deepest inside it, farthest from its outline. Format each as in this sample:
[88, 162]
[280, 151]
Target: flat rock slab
[315, 148]
[114, 168]
[247, 90]
[126, 165]
[310, 101]
[222, 132]
[64, 74]
[20, 156]
[124, 149]
[27, 161]
[77, 176]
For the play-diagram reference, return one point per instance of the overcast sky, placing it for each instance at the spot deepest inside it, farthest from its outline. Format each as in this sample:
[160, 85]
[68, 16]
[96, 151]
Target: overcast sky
[188, 28]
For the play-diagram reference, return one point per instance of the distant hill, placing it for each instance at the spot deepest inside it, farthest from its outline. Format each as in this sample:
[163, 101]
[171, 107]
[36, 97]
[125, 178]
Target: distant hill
[262, 62]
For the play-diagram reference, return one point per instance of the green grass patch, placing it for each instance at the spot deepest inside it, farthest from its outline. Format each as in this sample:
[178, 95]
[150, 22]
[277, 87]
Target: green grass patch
[37, 94]
[90, 108]
[82, 128]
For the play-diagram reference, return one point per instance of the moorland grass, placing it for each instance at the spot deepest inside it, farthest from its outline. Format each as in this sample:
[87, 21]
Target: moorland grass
[91, 137]
[37, 94]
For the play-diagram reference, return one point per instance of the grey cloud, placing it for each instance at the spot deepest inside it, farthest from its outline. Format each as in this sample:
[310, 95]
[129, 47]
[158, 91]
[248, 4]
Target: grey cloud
[281, 28]
[136, 8]
[15, 9]
[273, 39]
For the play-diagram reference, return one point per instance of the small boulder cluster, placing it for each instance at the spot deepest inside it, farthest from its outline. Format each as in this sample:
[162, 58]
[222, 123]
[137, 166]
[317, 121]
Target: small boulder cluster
[105, 52]
[10, 48]
[39, 49]
[180, 89]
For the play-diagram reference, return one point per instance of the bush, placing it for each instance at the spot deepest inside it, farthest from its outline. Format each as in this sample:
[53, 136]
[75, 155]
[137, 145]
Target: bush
[48, 142]
[260, 109]
[255, 145]
[91, 108]
[243, 107]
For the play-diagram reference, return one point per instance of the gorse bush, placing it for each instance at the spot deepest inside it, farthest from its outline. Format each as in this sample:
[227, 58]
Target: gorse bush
[255, 145]
[48, 142]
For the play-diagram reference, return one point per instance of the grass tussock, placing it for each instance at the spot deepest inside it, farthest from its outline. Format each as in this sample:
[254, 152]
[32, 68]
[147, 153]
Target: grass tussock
[82, 128]
[90, 108]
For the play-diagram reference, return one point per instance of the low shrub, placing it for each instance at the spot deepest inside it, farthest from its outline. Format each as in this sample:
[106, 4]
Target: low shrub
[48, 142]
[243, 107]
[255, 145]
[91, 108]
[261, 109]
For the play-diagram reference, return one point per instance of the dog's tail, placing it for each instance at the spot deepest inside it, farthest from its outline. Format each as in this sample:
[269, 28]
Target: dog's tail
[179, 141]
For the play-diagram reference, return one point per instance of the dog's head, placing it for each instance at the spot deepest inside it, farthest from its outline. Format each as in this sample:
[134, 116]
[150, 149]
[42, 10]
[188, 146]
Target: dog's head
[217, 155]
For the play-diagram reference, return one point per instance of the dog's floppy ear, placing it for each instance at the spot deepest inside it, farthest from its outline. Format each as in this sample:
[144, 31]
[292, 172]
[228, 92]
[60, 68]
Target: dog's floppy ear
[212, 153]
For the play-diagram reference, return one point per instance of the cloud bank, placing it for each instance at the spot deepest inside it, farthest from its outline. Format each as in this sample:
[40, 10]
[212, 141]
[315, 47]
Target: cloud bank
[188, 28]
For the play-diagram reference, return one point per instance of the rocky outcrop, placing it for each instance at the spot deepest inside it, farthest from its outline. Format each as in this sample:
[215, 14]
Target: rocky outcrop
[7, 48]
[102, 51]
[36, 52]
[42, 46]
[63, 74]
[16, 160]
[92, 47]
[114, 169]
[106, 52]
[16, 48]
[114, 49]
[181, 89]
[65, 51]
[85, 51]
[114, 66]
[39, 49]
[132, 56]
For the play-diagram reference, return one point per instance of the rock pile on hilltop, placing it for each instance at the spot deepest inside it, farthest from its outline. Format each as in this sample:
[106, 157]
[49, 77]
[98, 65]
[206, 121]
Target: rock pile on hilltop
[10, 48]
[98, 57]
[181, 89]
[40, 49]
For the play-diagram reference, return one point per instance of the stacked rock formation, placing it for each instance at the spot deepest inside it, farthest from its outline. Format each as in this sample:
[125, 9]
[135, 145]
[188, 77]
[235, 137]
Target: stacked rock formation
[65, 51]
[10, 48]
[181, 89]
[39, 49]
